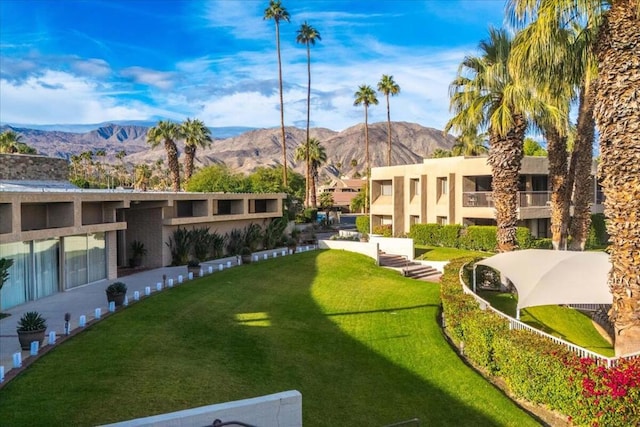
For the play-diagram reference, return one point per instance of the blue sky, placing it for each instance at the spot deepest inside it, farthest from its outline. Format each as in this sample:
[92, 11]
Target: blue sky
[80, 62]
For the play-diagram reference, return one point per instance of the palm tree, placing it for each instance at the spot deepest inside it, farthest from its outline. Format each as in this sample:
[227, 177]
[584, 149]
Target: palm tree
[387, 86]
[195, 134]
[315, 155]
[470, 143]
[617, 118]
[308, 35]
[11, 142]
[167, 132]
[491, 97]
[278, 13]
[366, 96]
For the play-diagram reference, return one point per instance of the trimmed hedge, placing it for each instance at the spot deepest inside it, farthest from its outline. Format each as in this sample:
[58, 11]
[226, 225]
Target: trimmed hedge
[362, 224]
[384, 230]
[425, 234]
[473, 237]
[535, 368]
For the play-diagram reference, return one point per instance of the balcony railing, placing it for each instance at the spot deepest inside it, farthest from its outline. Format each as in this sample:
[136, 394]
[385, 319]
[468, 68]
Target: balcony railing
[526, 199]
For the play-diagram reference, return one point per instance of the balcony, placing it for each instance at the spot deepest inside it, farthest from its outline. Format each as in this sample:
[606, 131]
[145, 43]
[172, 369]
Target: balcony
[526, 199]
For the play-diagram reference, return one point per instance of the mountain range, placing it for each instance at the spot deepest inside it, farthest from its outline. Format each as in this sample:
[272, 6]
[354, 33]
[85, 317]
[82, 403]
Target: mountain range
[243, 149]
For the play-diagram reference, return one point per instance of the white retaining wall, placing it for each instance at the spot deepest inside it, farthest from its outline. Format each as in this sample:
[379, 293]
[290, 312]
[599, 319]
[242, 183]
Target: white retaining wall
[273, 410]
[394, 245]
[369, 249]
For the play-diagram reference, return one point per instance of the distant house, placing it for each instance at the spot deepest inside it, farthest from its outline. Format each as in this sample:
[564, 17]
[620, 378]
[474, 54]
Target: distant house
[61, 237]
[343, 191]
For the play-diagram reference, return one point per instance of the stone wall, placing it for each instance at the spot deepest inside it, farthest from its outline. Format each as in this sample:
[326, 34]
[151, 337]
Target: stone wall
[38, 168]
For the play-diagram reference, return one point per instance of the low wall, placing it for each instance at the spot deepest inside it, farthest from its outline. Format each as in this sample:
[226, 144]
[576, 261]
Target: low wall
[394, 245]
[273, 410]
[369, 249]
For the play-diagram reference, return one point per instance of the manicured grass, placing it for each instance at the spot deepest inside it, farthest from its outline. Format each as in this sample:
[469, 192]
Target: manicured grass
[361, 344]
[563, 322]
[436, 253]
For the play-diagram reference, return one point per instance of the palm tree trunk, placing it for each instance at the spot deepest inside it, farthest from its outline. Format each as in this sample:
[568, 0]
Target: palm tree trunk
[557, 149]
[366, 142]
[505, 159]
[189, 156]
[388, 133]
[172, 161]
[618, 119]
[284, 142]
[308, 198]
[583, 181]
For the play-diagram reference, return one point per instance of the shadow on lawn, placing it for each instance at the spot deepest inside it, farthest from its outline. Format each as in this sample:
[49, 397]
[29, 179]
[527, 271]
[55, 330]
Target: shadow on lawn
[185, 348]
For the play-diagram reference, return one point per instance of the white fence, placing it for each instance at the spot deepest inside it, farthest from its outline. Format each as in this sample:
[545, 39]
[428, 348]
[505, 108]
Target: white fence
[516, 324]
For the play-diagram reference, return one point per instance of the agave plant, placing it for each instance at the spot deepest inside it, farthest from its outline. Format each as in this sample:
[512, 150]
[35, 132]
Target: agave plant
[180, 246]
[31, 321]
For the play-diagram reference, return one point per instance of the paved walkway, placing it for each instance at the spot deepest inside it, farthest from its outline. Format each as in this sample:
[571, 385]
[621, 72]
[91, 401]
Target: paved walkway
[83, 301]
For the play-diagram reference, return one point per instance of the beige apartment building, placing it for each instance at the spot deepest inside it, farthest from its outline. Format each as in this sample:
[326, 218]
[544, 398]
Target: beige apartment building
[457, 190]
[61, 237]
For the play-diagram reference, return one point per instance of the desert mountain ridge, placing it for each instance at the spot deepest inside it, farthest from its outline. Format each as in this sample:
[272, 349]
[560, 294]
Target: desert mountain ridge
[249, 149]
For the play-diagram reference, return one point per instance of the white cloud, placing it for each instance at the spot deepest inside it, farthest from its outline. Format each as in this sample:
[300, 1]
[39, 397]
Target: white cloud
[159, 79]
[234, 17]
[59, 97]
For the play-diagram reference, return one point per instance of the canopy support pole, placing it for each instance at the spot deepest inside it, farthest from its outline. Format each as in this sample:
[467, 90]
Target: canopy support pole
[474, 278]
[517, 314]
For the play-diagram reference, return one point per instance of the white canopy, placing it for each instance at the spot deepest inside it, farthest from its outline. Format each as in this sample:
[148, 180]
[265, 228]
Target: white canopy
[547, 277]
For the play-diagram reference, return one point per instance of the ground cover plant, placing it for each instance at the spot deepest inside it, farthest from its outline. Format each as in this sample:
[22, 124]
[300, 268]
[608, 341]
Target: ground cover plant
[362, 344]
[563, 322]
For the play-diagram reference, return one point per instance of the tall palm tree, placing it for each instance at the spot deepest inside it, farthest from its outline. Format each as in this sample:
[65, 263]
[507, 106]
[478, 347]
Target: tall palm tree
[366, 96]
[195, 135]
[388, 86]
[617, 118]
[308, 35]
[485, 94]
[168, 133]
[278, 13]
[11, 142]
[315, 155]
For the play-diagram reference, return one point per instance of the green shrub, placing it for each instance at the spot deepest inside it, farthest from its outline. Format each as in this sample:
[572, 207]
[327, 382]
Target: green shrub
[180, 246]
[425, 234]
[384, 230]
[598, 236]
[310, 215]
[479, 238]
[542, 244]
[479, 331]
[449, 235]
[524, 237]
[363, 224]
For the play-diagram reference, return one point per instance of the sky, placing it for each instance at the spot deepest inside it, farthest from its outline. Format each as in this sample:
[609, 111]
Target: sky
[84, 62]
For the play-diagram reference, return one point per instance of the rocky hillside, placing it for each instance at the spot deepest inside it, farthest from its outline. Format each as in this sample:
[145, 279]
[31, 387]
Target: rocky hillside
[248, 150]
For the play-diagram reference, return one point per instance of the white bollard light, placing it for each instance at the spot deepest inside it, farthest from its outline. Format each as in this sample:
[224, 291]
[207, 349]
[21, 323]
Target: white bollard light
[210, 269]
[228, 264]
[17, 360]
[180, 278]
[266, 256]
[170, 282]
[1, 373]
[112, 306]
[201, 272]
[220, 267]
[83, 321]
[147, 290]
[97, 313]
[255, 258]
[126, 301]
[52, 337]
[275, 254]
[35, 346]
[136, 295]
[290, 251]
[284, 253]
[159, 286]
[190, 276]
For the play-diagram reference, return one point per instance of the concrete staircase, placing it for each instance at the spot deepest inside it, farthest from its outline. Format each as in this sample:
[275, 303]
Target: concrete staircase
[408, 268]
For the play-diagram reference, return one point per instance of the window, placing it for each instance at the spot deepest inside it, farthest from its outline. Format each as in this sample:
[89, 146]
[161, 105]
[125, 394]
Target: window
[414, 187]
[386, 189]
[443, 187]
[442, 220]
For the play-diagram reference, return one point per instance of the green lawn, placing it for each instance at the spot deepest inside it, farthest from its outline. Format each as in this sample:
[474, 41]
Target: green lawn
[436, 253]
[563, 322]
[360, 343]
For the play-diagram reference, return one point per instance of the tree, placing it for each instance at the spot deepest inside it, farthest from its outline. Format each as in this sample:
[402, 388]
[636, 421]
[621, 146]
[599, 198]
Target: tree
[388, 86]
[10, 142]
[278, 13]
[439, 153]
[531, 147]
[315, 155]
[617, 118]
[167, 132]
[218, 178]
[5, 265]
[142, 176]
[484, 93]
[195, 135]
[366, 96]
[469, 143]
[308, 35]
[361, 200]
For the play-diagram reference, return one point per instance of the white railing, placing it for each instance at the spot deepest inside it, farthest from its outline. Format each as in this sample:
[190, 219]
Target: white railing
[518, 325]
